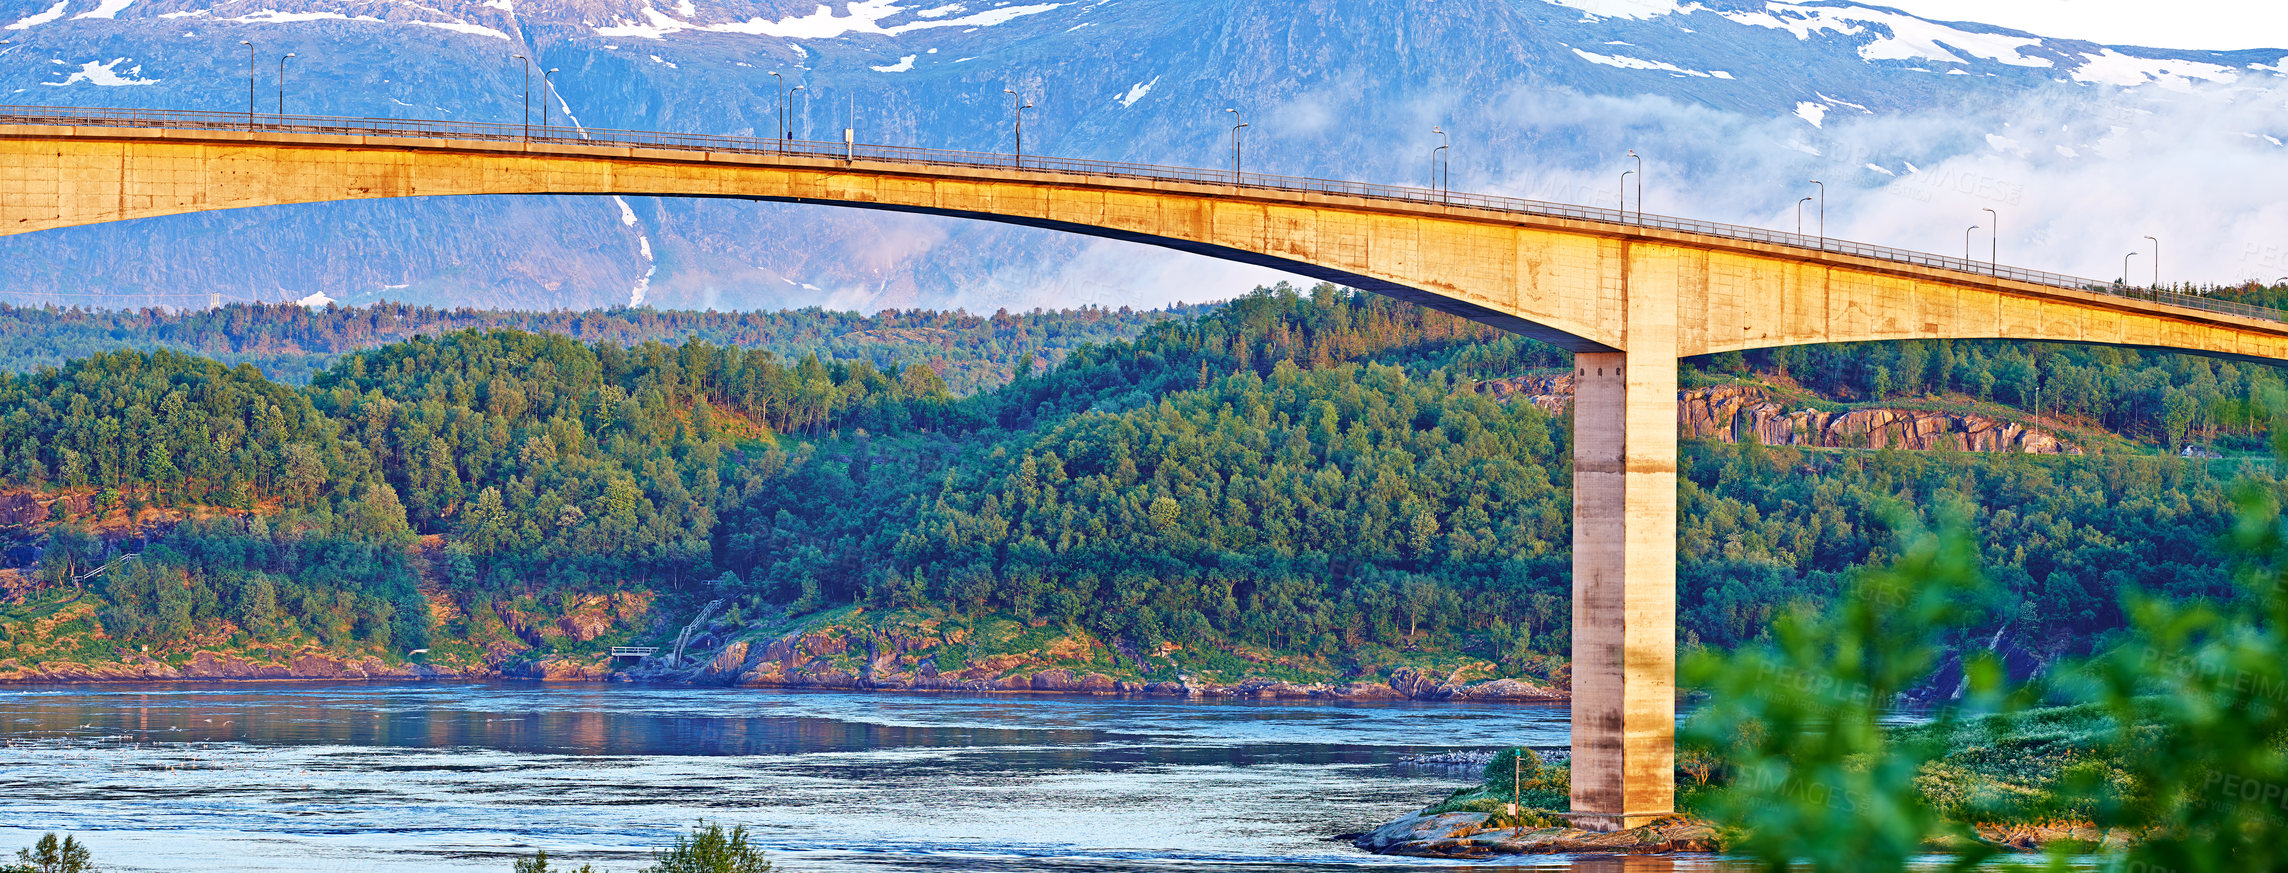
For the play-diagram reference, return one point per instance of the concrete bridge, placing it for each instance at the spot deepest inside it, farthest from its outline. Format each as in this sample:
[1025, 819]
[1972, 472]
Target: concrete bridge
[1629, 294]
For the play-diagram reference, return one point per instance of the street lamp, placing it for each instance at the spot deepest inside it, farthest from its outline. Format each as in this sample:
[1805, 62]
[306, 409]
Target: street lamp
[249, 83]
[1624, 192]
[547, 87]
[1236, 126]
[790, 117]
[2156, 267]
[1966, 245]
[1822, 213]
[282, 87]
[1640, 185]
[1799, 219]
[1436, 155]
[527, 95]
[780, 108]
[1993, 240]
[2125, 268]
[1022, 105]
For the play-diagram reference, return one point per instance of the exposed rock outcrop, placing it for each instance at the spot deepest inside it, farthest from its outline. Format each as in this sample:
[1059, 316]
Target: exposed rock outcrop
[1736, 413]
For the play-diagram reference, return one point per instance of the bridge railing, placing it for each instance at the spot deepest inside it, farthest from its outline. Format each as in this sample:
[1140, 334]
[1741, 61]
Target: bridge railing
[561, 135]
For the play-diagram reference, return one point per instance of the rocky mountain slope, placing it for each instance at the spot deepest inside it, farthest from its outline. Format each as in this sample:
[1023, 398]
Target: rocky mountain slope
[1915, 126]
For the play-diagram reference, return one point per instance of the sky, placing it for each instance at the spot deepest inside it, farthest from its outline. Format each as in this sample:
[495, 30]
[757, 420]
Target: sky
[2180, 24]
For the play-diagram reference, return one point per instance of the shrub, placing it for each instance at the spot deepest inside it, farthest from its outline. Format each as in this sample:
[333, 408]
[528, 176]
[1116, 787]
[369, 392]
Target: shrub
[711, 849]
[52, 856]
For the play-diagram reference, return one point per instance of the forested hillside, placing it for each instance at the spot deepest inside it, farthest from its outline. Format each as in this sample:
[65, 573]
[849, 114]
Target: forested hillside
[1314, 475]
[290, 343]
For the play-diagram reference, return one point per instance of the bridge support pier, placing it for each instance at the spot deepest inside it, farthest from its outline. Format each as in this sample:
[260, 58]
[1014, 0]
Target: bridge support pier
[1624, 576]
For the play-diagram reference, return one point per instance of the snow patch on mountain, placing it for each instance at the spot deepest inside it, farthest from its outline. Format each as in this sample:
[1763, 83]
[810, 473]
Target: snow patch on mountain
[464, 27]
[903, 64]
[865, 17]
[1628, 63]
[1137, 92]
[37, 19]
[1896, 35]
[106, 74]
[1811, 112]
[1626, 8]
[2114, 68]
[273, 16]
[105, 9]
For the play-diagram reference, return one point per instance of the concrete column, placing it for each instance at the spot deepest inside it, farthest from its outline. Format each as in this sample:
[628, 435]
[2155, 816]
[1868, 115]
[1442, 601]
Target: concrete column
[1624, 566]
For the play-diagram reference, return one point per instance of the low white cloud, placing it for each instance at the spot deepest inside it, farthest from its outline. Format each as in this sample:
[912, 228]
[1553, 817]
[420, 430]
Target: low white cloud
[2077, 175]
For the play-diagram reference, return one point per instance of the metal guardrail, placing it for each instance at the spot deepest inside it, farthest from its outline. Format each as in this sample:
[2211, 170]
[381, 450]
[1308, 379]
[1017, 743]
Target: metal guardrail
[326, 125]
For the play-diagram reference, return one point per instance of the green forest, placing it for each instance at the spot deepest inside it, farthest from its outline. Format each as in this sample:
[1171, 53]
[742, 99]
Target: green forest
[291, 343]
[1308, 472]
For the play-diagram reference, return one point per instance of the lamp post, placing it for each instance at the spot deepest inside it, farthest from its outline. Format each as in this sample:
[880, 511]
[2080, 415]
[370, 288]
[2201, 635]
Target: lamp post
[527, 95]
[780, 107]
[1624, 192]
[1236, 126]
[282, 87]
[1436, 168]
[2125, 268]
[1966, 245]
[2156, 267]
[1640, 184]
[1822, 213]
[1022, 105]
[790, 118]
[1799, 219]
[249, 82]
[1993, 240]
[547, 87]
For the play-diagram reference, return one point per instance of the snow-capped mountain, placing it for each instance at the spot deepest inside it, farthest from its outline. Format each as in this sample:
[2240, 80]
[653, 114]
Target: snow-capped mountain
[1915, 126]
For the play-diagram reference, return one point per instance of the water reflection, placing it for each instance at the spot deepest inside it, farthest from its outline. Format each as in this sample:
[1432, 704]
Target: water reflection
[264, 777]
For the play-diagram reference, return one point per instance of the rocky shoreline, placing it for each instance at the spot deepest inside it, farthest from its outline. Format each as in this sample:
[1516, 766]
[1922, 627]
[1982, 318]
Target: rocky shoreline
[839, 658]
[836, 657]
[1468, 835]
[212, 666]
[730, 669]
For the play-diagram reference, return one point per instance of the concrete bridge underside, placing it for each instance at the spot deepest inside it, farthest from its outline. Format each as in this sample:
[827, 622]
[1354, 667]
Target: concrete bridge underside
[1628, 300]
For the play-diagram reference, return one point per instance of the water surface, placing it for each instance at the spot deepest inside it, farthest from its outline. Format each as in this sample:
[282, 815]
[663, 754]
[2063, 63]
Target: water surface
[464, 776]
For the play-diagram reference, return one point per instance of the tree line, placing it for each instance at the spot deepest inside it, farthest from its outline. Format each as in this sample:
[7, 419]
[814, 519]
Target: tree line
[1308, 471]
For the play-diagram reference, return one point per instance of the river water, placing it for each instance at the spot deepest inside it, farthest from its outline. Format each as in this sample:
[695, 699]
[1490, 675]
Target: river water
[464, 776]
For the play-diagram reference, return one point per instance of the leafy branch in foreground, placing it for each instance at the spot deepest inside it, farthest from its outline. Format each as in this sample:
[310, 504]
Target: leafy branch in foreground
[2199, 701]
[1815, 778]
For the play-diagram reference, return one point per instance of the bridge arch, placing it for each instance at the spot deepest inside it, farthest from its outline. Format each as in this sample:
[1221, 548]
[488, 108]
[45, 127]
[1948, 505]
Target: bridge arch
[1628, 297]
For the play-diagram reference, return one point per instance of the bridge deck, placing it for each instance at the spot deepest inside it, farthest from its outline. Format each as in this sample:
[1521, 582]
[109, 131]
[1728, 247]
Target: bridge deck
[410, 131]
